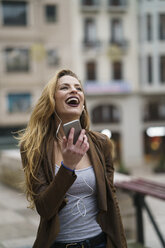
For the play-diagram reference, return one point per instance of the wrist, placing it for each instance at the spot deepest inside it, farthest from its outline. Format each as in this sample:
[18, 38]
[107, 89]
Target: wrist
[66, 167]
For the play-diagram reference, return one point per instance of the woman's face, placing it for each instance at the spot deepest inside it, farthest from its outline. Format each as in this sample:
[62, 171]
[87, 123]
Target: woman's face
[69, 98]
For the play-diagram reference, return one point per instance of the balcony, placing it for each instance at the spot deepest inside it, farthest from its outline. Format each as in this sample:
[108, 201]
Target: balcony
[95, 44]
[122, 43]
[119, 6]
[117, 48]
[90, 6]
[102, 88]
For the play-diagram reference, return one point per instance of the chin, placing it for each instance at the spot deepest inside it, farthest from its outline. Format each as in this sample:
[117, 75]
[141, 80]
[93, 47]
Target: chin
[73, 113]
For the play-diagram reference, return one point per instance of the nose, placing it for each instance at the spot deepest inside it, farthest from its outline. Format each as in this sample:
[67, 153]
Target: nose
[74, 90]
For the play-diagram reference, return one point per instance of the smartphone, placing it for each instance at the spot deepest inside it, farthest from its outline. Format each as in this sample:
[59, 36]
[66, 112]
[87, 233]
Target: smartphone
[77, 129]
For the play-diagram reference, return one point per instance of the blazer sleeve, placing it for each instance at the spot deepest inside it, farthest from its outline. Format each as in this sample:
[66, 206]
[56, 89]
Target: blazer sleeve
[49, 198]
[108, 156]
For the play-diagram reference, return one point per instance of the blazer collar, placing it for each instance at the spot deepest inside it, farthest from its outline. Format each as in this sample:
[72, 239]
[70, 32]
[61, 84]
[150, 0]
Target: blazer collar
[99, 173]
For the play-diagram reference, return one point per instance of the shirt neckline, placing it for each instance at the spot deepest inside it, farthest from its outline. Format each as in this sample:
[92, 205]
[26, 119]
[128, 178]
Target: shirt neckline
[83, 169]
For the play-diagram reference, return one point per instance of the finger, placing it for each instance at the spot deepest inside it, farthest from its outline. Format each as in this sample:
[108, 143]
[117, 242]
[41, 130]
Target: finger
[64, 142]
[85, 139]
[85, 144]
[80, 138]
[70, 137]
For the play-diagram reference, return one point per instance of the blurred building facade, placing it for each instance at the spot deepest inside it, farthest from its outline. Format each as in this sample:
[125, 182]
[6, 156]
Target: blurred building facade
[151, 15]
[116, 47]
[34, 42]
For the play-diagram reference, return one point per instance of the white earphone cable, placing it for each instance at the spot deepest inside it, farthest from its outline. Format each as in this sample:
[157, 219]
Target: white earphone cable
[58, 126]
[80, 201]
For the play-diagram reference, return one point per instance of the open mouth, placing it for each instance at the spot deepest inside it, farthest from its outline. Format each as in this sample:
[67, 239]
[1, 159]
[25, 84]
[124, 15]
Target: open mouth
[72, 101]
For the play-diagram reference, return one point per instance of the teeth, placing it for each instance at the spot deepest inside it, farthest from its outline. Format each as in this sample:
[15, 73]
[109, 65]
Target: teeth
[72, 99]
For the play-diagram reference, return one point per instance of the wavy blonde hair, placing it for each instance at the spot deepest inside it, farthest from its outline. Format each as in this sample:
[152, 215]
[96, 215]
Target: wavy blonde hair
[37, 140]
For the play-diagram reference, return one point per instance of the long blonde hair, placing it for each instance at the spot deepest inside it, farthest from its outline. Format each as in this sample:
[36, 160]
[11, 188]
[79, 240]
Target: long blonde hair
[37, 140]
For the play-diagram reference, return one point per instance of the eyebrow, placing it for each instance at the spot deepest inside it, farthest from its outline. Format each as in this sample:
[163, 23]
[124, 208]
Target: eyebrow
[67, 84]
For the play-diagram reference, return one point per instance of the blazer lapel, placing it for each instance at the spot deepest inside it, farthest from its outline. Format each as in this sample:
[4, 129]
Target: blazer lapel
[99, 173]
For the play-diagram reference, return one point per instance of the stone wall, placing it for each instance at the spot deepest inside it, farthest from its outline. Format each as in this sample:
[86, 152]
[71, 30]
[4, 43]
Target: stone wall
[11, 172]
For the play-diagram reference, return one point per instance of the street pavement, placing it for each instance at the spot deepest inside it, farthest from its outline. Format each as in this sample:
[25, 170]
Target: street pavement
[18, 224]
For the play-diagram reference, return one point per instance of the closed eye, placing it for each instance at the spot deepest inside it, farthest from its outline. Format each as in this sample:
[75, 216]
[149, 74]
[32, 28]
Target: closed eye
[63, 88]
[79, 88]
[66, 87]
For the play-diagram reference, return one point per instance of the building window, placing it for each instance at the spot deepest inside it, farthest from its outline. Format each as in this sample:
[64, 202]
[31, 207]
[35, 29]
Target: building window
[89, 2]
[14, 13]
[116, 31]
[105, 114]
[91, 71]
[154, 111]
[149, 27]
[162, 26]
[51, 13]
[17, 60]
[162, 69]
[52, 58]
[150, 71]
[90, 32]
[19, 102]
[117, 2]
[161, 110]
[7, 133]
[117, 70]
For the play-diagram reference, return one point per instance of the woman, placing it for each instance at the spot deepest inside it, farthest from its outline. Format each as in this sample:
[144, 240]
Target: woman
[71, 185]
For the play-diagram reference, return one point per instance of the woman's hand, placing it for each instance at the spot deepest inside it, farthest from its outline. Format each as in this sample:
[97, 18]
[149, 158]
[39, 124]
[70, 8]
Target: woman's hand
[73, 153]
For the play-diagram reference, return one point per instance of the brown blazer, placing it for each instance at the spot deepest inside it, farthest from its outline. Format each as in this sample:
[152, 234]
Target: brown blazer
[52, 196]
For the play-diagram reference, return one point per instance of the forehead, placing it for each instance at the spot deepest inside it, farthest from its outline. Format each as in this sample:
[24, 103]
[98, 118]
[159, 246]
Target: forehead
[67, 79]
